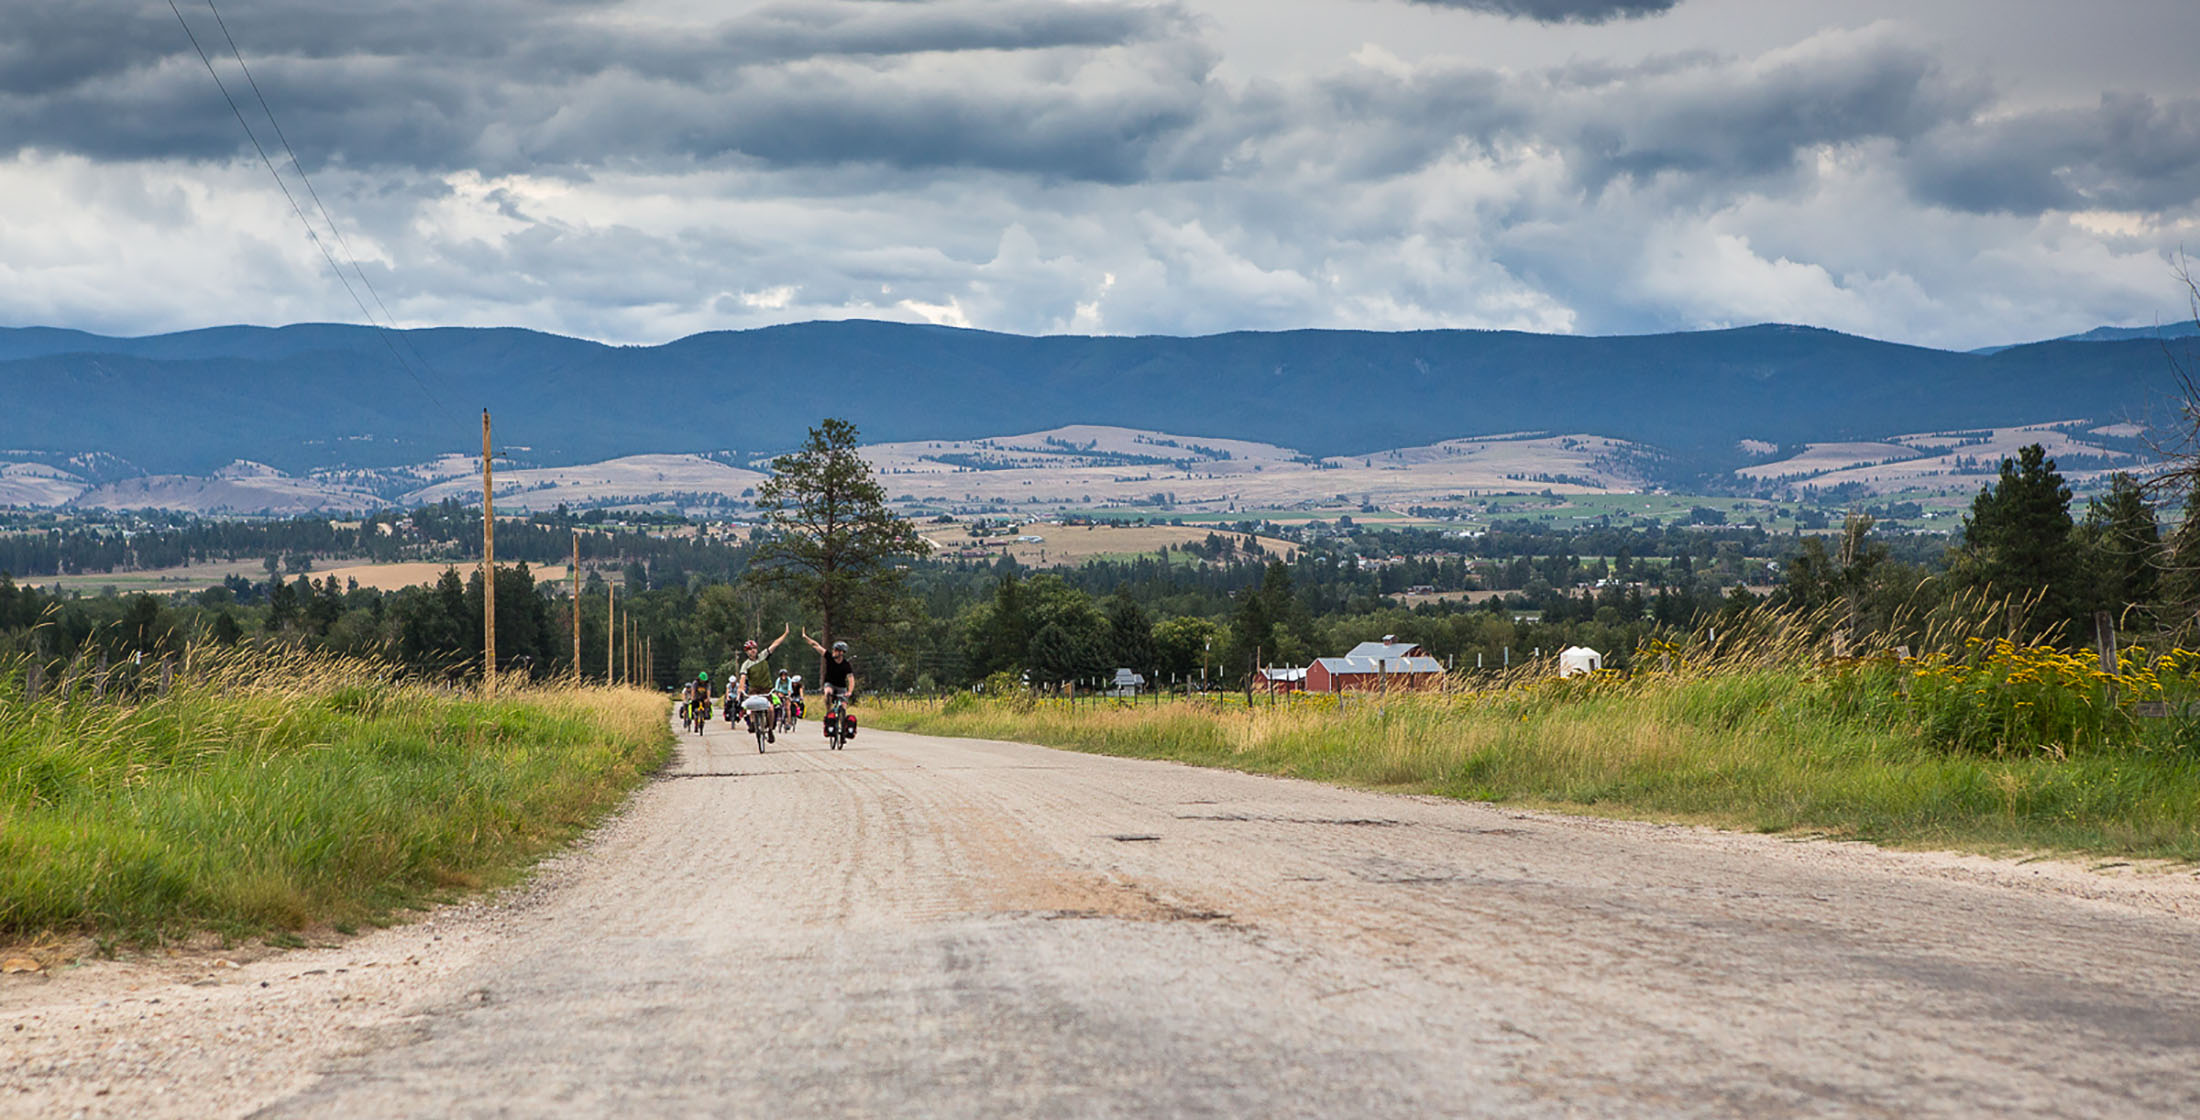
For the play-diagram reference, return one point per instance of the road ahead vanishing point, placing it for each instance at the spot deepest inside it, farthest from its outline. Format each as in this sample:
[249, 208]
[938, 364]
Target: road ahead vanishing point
[923, 926]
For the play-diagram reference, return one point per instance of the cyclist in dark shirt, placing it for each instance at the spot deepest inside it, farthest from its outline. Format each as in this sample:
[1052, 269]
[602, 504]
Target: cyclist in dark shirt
[839, 675]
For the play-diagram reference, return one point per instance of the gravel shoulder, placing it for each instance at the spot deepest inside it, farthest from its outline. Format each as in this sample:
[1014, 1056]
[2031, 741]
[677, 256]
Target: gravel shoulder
[971, 928]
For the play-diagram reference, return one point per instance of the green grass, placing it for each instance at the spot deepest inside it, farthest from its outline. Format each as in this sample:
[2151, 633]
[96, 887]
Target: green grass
[1764, 751]
[271, 792]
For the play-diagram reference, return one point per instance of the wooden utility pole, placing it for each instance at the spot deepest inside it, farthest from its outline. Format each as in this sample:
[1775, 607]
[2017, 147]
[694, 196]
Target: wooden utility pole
[488, 569]
[576, 605]
[611, 637]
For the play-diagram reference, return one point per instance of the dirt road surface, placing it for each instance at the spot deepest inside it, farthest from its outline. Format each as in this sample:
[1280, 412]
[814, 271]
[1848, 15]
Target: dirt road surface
[921, 926]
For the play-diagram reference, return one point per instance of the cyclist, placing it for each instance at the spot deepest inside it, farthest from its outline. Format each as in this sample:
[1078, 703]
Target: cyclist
[783, 701]
[839, 681]
[699, 700]
[738, 688]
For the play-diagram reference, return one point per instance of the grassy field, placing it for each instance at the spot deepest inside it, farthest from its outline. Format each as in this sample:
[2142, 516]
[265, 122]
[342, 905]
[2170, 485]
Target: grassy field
[270, 792]
[393, 577]
[1069, 545]
[1844, 754]
[198, 577]
[194, 577]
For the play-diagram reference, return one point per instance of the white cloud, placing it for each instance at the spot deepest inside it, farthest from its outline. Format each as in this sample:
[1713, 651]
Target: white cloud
[1108, 167]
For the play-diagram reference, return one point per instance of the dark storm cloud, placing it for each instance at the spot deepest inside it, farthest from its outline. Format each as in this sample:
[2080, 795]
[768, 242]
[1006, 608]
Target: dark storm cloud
[1726, 121]
[503, 86]
[1112, 92]
[1719, 123]
[1561, 11]
[2127, 153]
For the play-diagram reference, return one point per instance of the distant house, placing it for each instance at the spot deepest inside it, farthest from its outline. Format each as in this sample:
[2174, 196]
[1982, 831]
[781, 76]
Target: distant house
[1371, 665]
[1127, 683]
[1279, 680]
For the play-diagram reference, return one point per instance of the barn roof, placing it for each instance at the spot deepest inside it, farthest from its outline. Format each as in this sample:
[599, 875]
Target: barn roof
[1388, 651]
[1355, 664]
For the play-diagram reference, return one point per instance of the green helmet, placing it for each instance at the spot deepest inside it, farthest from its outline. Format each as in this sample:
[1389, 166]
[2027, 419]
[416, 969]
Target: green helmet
[703, 676]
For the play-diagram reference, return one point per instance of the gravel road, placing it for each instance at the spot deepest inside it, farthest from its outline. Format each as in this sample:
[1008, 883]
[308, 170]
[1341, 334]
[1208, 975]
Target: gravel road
[921, 926]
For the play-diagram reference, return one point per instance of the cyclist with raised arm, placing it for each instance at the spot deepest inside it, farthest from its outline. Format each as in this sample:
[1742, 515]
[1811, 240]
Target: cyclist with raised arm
[737, 689]
[839, 686]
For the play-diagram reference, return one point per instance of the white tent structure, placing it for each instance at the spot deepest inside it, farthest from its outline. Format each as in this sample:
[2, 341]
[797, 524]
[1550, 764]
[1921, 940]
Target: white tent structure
[1575, 661]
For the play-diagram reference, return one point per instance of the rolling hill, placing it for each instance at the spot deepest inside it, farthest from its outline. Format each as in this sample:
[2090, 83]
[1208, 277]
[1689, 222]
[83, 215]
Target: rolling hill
[319, 396]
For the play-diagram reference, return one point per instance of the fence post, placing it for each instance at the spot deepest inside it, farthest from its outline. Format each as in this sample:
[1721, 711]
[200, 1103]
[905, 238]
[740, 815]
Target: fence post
[33, 679]
[167, 675]
[2104, 638]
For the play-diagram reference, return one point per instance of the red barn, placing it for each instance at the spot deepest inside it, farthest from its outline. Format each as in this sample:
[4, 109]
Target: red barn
[1371, 665]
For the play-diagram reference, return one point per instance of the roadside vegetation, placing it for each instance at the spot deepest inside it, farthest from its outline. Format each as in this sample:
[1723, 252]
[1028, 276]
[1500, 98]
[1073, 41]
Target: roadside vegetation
[265, 789]
[1979, 742]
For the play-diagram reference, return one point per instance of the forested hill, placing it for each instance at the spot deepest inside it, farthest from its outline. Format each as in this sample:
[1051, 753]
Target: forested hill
[321, 395]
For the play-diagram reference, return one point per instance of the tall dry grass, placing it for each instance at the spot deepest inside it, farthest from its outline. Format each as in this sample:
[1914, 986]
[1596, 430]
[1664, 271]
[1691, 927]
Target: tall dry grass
[1996, 746]
[270, 789]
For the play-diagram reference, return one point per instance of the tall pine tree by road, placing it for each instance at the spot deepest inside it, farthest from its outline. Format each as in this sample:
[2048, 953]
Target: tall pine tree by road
[828, 536]
[2017, 539]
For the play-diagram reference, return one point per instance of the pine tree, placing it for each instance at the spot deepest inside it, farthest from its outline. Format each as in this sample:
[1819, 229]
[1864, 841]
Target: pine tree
[2018, 540]
[829, 537]
[1130, 630]
[2122, 547]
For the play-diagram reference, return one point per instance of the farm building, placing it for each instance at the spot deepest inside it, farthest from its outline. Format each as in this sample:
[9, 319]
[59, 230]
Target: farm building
[1279, 680]
[1127, 683]
[1576, 661]
[1371, 665]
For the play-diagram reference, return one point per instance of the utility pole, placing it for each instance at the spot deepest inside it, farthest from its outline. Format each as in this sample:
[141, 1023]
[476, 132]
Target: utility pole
[611, 636]
[488, 569]
[576, 605]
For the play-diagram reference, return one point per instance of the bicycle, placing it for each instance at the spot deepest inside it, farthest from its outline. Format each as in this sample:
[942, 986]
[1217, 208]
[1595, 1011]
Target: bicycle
[756, 711]
[836, 722]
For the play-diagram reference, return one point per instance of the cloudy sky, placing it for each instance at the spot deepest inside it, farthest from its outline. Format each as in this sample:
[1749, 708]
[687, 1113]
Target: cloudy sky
[1945, 172]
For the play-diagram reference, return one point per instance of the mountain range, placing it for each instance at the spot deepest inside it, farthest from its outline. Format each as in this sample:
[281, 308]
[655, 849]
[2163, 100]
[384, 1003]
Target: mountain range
[321, 396]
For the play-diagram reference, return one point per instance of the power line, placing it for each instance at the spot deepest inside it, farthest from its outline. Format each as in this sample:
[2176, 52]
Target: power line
[299, 166]
[295, 208]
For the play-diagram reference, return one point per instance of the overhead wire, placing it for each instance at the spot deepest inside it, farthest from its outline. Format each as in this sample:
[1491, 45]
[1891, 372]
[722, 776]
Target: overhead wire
[299, 166]
[311, 233]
